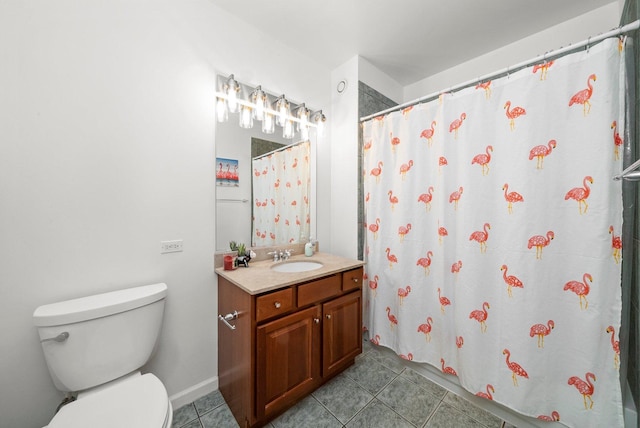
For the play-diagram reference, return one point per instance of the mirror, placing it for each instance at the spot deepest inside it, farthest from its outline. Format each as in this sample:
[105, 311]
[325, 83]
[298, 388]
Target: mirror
[234, 198]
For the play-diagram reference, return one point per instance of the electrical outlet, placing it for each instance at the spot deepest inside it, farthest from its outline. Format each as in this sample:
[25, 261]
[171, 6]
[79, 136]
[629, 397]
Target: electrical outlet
[170, 246]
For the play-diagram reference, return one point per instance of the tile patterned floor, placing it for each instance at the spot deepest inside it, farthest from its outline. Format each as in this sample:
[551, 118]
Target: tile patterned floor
[377, 391]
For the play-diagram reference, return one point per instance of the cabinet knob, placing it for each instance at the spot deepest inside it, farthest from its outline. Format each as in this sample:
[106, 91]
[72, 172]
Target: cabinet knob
[277, 305]
[316, 320]
[328, 316]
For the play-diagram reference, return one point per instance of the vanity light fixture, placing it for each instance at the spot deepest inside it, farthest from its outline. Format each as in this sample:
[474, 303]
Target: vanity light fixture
[231, 89]
[259, 98]
[319, 118]
[255, 103]
[281, 105]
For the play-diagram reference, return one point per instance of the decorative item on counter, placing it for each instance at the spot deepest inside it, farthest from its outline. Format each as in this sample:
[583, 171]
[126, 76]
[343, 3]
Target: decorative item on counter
[243, 256]
[229, 262]
[308, 248]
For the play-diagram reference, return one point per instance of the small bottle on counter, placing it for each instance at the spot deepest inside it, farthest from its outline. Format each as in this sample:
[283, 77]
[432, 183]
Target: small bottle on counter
[308, 248]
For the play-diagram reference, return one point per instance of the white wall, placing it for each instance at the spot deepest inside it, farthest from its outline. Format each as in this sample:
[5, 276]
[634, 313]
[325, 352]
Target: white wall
[574, 30]
[344, 161]
[107, 148]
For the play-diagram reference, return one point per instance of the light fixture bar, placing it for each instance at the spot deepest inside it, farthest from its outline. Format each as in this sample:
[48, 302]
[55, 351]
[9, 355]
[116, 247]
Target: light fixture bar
[240, 101]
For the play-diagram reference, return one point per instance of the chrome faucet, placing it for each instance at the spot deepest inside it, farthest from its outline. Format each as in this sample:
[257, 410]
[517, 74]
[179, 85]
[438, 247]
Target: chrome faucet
[281, 255]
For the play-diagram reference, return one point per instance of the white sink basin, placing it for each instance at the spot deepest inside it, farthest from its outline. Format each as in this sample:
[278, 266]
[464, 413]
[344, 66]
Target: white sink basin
[299, 266]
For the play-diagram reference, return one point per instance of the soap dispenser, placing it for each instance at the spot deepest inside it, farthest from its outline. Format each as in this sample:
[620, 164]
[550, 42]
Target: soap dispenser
[308, 248]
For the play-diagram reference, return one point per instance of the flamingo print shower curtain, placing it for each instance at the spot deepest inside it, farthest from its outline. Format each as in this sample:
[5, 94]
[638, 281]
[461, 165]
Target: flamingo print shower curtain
[493, 236]
[281, 187]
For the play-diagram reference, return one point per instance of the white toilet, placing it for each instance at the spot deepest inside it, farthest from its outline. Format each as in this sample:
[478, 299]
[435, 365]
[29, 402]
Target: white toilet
[95, 346]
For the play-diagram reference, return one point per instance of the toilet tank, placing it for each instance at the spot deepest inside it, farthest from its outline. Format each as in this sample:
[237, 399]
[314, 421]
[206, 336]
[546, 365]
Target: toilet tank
[109, 335]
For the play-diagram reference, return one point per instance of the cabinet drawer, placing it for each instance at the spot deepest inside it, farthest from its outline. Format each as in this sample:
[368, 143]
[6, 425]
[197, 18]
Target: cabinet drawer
[352, 279]
[272, 304]
[319, 290]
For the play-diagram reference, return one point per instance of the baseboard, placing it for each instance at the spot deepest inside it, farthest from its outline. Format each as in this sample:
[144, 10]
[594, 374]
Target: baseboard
[194, 392]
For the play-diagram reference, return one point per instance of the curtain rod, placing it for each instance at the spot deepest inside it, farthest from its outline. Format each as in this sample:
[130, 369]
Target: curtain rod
[591, 40]
[279, 149]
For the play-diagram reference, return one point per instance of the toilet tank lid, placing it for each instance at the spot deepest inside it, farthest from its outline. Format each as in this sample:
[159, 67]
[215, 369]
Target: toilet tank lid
[99, 305]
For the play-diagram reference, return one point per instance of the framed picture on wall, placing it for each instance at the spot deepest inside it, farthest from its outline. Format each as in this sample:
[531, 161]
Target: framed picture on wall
[227, 172]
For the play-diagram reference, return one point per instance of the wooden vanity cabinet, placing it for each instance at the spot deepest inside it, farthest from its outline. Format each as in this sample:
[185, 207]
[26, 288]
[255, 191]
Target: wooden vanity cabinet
[293, 339]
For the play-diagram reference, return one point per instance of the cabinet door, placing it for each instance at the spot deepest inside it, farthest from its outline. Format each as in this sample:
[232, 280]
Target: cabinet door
[342, 332]
[287, 360]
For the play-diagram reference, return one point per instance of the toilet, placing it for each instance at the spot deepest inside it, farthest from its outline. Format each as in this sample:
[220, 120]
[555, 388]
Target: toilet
[94, 347]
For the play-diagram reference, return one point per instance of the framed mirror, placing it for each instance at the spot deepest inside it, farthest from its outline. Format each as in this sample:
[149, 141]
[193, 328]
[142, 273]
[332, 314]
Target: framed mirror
[236, 148]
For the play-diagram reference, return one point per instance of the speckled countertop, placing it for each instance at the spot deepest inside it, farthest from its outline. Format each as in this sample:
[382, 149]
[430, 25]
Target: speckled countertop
[259, 277]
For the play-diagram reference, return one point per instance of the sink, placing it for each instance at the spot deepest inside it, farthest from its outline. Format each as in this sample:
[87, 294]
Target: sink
[299, 266]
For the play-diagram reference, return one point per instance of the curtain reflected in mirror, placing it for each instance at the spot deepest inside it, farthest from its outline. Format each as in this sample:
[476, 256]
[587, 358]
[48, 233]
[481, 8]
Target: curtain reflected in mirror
[281, 194]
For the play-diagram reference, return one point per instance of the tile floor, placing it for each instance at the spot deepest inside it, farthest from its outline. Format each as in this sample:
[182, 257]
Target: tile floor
[377, 391]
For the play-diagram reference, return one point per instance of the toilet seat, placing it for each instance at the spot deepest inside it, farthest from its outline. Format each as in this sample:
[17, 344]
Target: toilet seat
[138, 402]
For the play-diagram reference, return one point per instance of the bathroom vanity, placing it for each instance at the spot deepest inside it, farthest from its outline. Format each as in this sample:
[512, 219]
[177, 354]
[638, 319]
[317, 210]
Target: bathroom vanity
[287, 333]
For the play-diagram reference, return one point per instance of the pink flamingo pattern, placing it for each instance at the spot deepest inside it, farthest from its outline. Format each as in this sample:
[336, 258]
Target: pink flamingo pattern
[377, 171]
[487, 88]
[511, 197]
[581, 288]
[541, 151]
[481, 237]
[616, 245]
[393, 200]
[615, 344]
[442, 161]
[391, 258]
[617, 140]
[394, 142]
[513, 114]
[404, 168]
[488, 395]
[584, 96]
[515, 368]
[408, 357]
[483, 159]
[403, 292]
[375, 340]
[456, 124]
[581, 194]
[426, 329]
[442, 232]
[373, 285]
[428, 133]
[459, 341]
[541, 330]
[540, 242]
[455, 197]
[374, 228]
[555, 416]
[544, 69]
[584, 388]
[455, 268]
[403, 231]
[425, 262]
[443, 301]
[393, 321]
[510, 280]
[447, 369]
[426, 198]
[481, 315]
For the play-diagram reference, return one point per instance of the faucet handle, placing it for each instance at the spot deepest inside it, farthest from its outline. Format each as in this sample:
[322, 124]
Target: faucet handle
[288, 252]
[276, 255]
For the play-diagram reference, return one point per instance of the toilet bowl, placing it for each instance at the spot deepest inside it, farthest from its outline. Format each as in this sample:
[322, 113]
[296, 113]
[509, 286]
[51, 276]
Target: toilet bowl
[94, 348]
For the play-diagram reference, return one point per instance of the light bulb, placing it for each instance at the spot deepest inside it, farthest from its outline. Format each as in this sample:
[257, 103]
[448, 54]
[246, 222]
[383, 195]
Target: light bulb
[287, 129]
[268, 123]
[221, 110]
[259, 98]
[245, 117]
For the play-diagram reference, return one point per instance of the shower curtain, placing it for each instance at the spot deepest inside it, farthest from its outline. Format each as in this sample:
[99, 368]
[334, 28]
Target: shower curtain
[281, 186]
[493, 242]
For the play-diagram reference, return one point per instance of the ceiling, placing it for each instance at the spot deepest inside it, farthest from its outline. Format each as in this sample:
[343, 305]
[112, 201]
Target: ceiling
[409, 40]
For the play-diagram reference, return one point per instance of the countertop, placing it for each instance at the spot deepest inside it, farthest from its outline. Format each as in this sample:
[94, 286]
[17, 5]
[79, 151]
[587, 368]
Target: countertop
[259, 277]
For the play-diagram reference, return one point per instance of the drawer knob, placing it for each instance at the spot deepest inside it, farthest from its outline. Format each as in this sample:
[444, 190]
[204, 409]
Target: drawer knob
[355, 280]
[328, 316]
[277, 305]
